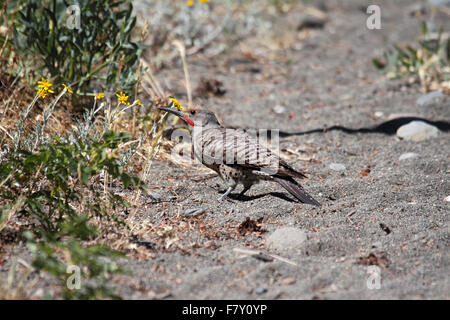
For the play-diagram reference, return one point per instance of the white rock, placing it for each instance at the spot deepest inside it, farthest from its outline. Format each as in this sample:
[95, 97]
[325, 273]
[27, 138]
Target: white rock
[429, 97]
[286, 238]
[279, 109]
[337, 166]
[378, 114]
[407, 155]
[417, 131]
[447, 199]
[155, 195]
[193, 212]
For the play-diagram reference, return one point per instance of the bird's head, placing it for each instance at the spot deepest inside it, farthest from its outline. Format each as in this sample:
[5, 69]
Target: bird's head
[195, 117]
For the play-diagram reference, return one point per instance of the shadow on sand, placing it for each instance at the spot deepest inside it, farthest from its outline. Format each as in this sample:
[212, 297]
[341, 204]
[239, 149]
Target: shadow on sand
[389, 127]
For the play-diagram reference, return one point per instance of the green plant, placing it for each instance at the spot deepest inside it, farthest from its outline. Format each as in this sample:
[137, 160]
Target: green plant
[7, 289]
[8, 65]
[46, 186]
[50, 182]
[98, 51]
[429, 63]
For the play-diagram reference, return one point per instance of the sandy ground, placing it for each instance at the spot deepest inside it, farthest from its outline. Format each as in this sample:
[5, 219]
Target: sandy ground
[392, 217]
[396, 212]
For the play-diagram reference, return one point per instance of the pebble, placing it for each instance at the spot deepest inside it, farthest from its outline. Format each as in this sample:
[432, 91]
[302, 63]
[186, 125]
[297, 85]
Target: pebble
[279, 109]
[286, 238]
[155, 196]
[287, 281]
[193, 212]
[407, 155]
[417, 131]
[378, 114]
[261, 290]
[429, 97]
[337, 166]
[447, 199]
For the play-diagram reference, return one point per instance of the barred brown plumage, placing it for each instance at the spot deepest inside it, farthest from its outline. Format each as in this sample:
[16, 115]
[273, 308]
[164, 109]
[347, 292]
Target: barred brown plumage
[236, 156]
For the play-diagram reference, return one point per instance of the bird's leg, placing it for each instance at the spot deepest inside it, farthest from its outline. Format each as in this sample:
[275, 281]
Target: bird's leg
[230, 188]
[247, 187]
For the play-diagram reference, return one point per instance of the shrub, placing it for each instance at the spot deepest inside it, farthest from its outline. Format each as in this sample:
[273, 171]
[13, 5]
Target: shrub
[99, 51]
[429, 62]
[53, 188]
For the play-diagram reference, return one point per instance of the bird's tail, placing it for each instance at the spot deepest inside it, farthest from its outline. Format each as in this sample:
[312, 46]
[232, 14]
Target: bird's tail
[296, 190]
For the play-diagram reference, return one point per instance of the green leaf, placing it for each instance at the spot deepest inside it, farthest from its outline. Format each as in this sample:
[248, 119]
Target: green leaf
[378, 64]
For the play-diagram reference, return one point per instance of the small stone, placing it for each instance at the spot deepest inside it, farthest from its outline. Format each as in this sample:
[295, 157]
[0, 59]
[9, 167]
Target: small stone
[261, 290]
[287, 281]
[417, 131]
[378, 114]
[286, 238]
[337, 166]
[279, 109]
[447, 199]
[193, 212]
[429, 97]
[155, 196]
[407, 155]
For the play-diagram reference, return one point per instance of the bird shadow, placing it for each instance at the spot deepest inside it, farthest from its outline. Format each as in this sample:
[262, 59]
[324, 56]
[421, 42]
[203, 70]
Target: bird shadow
[388, 128]
[245, 198]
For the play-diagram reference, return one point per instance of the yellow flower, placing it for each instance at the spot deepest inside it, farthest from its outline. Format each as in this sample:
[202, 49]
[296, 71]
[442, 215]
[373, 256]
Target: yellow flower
[45, 85]
[42, 93]
[99, 95]
[138, 102]
[122, 98]
[203, 1]
[189, 3]
[176, 104]
[67, 88]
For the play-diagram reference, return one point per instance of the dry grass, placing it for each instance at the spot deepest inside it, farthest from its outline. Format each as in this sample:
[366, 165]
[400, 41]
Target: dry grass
[14, 100]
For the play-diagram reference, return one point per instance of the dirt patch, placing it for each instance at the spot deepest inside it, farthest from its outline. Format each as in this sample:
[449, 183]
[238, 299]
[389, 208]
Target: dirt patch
[250, 226]
[373, 260]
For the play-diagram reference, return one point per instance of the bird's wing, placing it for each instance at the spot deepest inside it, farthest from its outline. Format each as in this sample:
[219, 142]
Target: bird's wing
[236, 148]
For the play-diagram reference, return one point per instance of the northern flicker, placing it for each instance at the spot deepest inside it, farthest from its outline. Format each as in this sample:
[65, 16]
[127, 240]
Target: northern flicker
[236, 156]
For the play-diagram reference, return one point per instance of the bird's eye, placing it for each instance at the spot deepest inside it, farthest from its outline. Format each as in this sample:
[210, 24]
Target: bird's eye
[193, 112]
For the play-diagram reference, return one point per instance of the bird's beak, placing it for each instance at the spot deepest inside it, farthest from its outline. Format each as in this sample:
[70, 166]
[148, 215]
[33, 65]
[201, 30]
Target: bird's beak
[182, 115]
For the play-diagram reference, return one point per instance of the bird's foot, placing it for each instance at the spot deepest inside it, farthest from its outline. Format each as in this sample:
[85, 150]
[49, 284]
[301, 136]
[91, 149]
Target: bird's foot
[225, 194]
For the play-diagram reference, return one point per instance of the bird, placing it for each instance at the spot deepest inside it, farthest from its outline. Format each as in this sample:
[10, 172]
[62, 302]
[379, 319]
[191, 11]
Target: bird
[237, 157]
